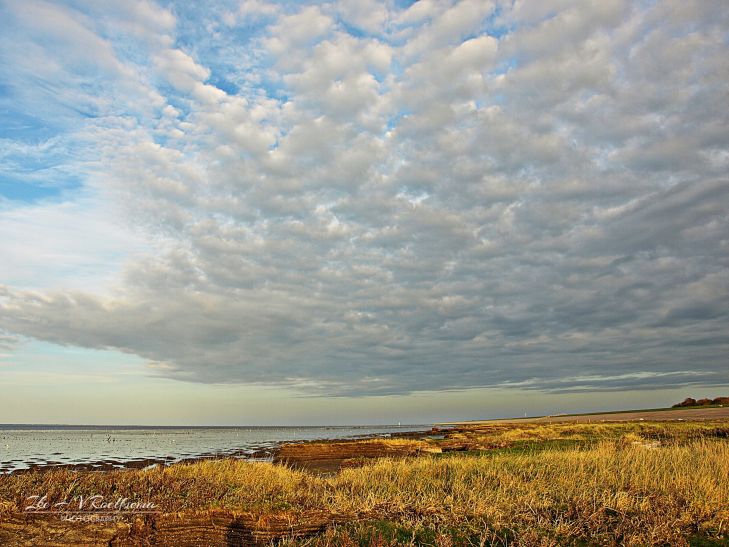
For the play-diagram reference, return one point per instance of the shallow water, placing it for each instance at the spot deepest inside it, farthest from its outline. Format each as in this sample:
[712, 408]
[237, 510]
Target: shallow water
[22, 447]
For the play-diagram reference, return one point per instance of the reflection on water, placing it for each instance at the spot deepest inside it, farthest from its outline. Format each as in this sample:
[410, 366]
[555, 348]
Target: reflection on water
[24, 446]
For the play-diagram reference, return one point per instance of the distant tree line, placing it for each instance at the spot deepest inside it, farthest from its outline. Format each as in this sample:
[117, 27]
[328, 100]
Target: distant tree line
[702, 402]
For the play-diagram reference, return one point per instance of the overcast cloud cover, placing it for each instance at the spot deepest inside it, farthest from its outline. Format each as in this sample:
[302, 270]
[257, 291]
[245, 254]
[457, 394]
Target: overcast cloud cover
[357, 198]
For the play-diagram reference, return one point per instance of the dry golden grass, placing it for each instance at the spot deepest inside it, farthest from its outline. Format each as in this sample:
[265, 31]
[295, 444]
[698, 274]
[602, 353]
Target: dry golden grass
[505, 435]
[609, 493]
[632, 484]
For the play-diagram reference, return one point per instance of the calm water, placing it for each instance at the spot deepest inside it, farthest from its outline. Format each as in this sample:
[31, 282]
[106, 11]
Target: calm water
[25, 446]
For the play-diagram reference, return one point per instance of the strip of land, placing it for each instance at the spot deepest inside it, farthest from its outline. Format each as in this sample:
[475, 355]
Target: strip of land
[649, 482]
[667, 414]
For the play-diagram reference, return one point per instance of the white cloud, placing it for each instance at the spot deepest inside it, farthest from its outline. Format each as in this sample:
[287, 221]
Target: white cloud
[292, 34]
[180, 69]
[65, 28]
[254, 8]
[80, 245]
[449, 27]
[369, 15]
[447, 204]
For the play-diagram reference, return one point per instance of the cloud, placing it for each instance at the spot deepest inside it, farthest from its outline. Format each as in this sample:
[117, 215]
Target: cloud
[253, 9]
[293, 34]
[79, 244]
[369, 15]
[445, 196]
[7, 342]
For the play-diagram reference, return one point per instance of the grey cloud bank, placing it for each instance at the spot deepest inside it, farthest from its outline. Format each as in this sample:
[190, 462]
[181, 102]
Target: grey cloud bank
[394, 200]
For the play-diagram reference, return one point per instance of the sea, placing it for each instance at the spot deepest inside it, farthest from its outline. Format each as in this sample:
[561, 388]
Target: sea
[107, 447]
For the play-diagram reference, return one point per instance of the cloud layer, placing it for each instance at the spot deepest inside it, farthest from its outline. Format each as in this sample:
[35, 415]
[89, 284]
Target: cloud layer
[355, 200]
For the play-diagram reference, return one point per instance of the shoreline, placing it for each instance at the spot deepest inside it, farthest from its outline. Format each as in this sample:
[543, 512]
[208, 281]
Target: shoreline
[255, 453]
[271, 452]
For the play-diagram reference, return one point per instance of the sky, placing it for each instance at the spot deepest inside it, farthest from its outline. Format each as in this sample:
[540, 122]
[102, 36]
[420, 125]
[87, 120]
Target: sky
[251, 212]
